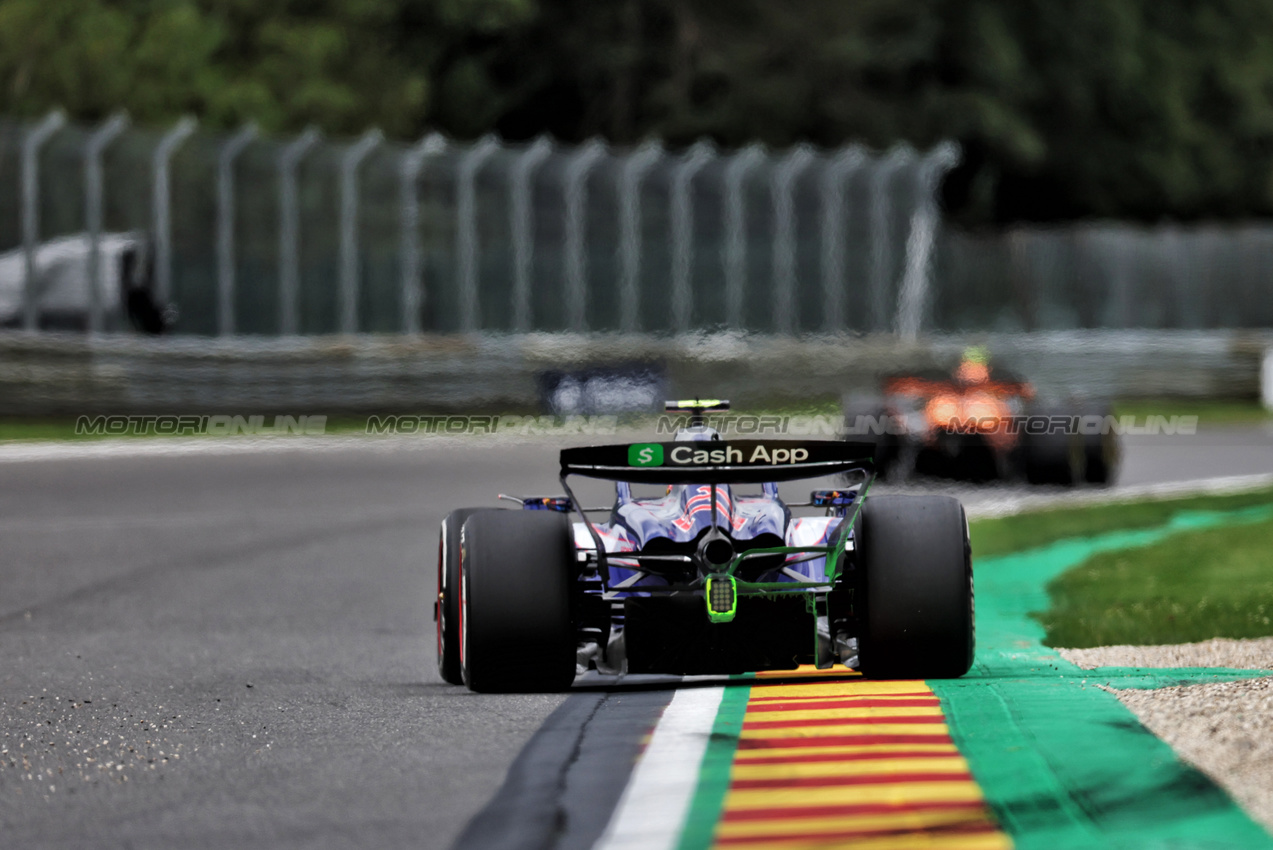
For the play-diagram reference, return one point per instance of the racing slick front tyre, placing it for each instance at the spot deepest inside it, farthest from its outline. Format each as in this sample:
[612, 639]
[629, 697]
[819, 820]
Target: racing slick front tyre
[915, 585]
[517, 575]
[446, 611]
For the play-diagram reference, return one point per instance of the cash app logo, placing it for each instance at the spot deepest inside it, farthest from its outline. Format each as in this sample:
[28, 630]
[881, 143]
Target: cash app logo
[645, 454]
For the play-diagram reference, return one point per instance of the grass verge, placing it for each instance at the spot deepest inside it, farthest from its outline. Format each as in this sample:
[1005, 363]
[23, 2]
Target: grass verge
[1193, 586]
[778, 416]
[28, 430]
[1004, 535]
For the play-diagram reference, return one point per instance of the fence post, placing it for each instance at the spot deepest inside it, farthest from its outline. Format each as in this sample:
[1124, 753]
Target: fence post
[522, 225]
[881, 246]
[289, 230]
[161, 204]
[229, 152]
[782, 185]
[576, 191]
[1266, 379]
[93, 150]
[741, 164]
[349, 162]
[682, 221]
[919, 244]
[32, 141]
[631, 176]
[466, 228]
[411, 285]
[834, 177]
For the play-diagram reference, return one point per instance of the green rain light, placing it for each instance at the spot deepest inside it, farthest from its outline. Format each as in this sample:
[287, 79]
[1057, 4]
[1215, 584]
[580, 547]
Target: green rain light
[722, 598]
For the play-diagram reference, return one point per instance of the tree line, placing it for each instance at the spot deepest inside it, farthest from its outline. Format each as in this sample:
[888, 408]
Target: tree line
[1138, 109]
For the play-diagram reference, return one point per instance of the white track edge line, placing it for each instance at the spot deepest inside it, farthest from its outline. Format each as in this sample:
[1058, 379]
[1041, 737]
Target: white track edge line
[144, 447]
[652, 811]
[1015, 504]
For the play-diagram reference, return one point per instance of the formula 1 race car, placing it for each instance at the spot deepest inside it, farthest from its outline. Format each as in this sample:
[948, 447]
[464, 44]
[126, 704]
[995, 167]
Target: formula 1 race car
[980, 424]
[712, 576]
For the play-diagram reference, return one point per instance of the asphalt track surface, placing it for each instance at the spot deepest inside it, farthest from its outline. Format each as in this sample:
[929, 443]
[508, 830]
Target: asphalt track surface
[235, 649]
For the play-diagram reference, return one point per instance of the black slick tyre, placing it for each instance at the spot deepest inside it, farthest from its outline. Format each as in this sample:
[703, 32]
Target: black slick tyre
[914, 587]
[517, 576]
[446, 611]
[1102, 454]
[1053, 457]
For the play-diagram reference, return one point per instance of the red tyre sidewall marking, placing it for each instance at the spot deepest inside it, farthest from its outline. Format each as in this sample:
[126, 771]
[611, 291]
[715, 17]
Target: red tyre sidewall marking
[464, 611]
[441, 595]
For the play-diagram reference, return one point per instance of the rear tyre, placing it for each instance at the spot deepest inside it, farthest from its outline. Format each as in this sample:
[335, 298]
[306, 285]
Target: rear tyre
[1102, 454]
[915, 586]
[1052, 458]
[446, 612]
[517, 574]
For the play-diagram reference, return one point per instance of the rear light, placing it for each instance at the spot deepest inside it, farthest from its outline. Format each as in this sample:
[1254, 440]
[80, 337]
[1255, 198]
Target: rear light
[722, 598]
[943, 410]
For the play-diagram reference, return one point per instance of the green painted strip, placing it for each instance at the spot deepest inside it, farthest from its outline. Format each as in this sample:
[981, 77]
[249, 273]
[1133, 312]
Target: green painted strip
[1152, 678]
[718, 761]
[1062, 762]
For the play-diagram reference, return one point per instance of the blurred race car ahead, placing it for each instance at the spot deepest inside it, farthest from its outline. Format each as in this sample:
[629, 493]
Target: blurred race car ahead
[125, 285]
[980, 424]
[712, 575]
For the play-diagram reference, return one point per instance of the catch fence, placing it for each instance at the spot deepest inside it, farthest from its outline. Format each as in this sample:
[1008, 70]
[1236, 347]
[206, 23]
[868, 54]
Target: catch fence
[252, 234]
[1105, 275]
[245, 233]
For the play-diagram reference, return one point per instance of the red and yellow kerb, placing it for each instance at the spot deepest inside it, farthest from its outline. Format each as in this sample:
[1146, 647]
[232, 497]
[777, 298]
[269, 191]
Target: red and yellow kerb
[831, 761]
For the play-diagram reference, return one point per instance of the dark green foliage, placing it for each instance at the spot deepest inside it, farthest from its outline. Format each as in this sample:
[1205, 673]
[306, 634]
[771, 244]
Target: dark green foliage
[344, 65]
[1065, 108]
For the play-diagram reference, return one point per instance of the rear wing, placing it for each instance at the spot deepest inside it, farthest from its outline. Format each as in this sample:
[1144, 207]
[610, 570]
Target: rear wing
[718, 461]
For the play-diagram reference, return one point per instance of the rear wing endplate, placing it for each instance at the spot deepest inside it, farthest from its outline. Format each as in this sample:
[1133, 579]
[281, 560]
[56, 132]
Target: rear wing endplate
[718, 461]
